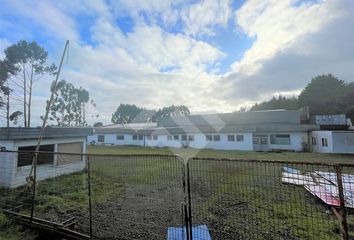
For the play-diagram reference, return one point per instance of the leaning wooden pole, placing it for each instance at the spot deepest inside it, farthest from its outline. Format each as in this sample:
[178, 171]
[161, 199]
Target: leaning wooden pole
[32, 178]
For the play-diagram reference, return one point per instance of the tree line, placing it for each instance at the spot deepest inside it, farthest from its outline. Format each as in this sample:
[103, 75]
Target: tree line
[324, 94]
[26, 63]
[130, 113]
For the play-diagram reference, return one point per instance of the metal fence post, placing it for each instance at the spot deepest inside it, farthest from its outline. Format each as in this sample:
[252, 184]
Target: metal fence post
[89, 192]
[189, 202]
[184, 205]
[343, 211]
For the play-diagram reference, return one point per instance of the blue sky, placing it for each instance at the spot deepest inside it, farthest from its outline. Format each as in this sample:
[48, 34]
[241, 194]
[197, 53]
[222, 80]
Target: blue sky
[211, 55]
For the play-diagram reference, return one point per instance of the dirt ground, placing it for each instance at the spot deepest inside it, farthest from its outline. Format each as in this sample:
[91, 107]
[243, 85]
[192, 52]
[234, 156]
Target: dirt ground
[143, 212]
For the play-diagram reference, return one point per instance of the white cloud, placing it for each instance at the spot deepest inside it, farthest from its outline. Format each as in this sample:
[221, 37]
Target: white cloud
[293, 43]
[152, 66]
[201, 17]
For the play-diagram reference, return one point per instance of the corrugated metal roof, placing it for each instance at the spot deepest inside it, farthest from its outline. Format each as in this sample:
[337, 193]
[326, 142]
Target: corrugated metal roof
[189, 129]
[240, 118]
[50, 132]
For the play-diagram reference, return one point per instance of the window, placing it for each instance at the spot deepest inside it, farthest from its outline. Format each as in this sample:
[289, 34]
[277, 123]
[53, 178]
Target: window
[149, 137]
[135, 137]
[155, 137]
[239, 138]
[209, 138]
[280, 139]
[184, 137]
[141, 137]
[255, 140]
[175, 137]
[25, 156]
[169, 137]
[100, 138]
[231, 138]
[314, 141]
[324, 142]
[216, 138]
[191, 138]
[264, 140]
[75, 147]
[120, 137]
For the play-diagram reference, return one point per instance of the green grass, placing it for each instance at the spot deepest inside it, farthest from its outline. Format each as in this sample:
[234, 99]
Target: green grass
[274, 208]
[11, 231]
[283, 156]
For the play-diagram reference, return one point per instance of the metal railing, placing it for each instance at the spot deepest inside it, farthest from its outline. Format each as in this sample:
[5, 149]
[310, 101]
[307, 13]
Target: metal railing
[153, 196]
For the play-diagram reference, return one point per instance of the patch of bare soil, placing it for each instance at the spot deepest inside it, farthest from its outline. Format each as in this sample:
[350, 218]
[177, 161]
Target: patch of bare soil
[143, 212]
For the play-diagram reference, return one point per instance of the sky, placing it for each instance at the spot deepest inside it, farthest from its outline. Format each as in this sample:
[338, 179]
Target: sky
[211, 55]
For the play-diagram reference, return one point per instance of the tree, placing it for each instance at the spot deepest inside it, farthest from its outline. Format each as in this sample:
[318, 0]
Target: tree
[6, 69]
[323, 95]
[3, 78]
[98, 124]
[125, 113]
[170, 111]
[347, 100]
[68, 108]
[31, 63]
[241, 109]
[277, 103]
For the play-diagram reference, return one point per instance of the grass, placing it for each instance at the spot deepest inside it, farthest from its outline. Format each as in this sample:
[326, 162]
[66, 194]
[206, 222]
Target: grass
[288, 211]
[12, 231]
[273, 208]
[283, 156]
[270, 204]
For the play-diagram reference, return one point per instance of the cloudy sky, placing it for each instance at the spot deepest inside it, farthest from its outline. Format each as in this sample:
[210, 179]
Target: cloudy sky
[209, 55]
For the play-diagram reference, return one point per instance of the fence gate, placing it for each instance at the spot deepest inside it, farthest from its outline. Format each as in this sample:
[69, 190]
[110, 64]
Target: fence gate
[136, 197]
[251, 199]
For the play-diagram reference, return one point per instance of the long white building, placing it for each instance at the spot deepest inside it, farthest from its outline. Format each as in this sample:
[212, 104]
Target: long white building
[251, 131]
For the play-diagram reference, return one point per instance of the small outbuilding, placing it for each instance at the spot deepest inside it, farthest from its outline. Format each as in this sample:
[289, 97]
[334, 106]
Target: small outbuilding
[332, 141]
[16, 162]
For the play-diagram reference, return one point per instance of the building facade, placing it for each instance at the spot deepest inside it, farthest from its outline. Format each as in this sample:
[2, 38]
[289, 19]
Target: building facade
[250, 131]
[332, 141]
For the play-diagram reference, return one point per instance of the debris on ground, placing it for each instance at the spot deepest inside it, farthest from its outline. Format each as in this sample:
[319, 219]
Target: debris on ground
[322, 185]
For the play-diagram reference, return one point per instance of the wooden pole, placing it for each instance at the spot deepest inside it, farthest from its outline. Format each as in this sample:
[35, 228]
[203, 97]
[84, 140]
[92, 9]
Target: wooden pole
[32, 178]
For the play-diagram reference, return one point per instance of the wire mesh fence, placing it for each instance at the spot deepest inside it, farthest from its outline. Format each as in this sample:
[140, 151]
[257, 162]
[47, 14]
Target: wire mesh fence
[245, 199]
[54, 194]
[136, 197]
[144, 196]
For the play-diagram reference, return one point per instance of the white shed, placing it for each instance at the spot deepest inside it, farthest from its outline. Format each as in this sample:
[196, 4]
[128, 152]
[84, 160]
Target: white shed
[332, 141]
[15, 166]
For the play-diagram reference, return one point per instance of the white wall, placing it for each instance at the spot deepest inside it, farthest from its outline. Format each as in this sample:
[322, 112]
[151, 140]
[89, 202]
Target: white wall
[111, 139]
[162, 141]
[13, 176]
[296, 141]
[200, 141]
[318, 147]
[343, 142]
